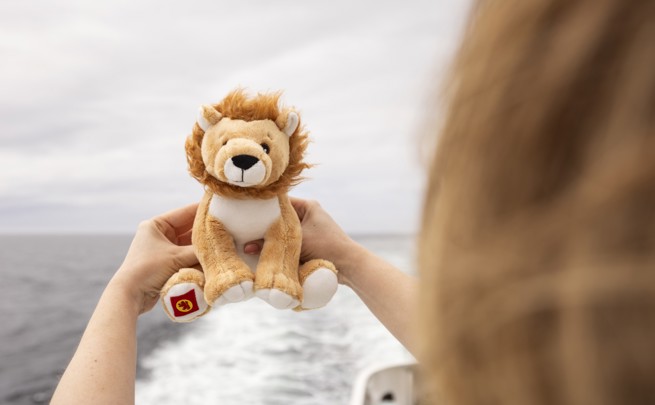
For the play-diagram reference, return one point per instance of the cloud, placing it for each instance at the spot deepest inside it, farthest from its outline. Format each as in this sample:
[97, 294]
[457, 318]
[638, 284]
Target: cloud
[98, 98]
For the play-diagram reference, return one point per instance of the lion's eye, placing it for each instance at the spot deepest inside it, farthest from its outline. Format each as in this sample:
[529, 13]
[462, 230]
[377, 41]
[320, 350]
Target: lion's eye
[224, 143]
[266, 148]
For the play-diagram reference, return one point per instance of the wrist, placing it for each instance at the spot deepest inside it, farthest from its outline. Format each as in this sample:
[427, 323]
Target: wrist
[351, 261]
[120, 292]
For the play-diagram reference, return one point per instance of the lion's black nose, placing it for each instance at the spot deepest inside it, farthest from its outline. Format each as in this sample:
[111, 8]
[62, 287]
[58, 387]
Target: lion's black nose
[244, 162]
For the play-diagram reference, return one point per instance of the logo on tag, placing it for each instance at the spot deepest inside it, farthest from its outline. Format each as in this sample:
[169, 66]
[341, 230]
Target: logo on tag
[184, 304]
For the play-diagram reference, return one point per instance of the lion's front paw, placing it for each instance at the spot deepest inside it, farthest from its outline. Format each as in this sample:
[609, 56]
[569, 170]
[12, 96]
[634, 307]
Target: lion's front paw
[240, 292]
[281, 291]
[228, 288]
[277, 298]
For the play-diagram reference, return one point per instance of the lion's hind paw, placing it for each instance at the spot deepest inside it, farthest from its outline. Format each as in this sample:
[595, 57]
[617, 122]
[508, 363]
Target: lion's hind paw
[319, 288]
[184, 302]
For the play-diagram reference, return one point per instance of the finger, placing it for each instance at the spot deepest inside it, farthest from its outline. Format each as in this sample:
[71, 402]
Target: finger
[181, 219]
[185, 239]
[299, 205]
[186, 257]
[254, 247]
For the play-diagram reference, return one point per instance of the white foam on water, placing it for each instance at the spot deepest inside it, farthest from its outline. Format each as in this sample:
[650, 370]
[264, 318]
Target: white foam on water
[251, 353]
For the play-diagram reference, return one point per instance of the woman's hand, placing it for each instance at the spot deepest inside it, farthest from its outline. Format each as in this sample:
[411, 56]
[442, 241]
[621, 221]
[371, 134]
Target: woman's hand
[322, 238]
[103, 369]
[389, 293]
[161, 247]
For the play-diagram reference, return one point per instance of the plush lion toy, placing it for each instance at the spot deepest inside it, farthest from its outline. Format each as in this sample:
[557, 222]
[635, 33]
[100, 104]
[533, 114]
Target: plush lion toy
[247, 152]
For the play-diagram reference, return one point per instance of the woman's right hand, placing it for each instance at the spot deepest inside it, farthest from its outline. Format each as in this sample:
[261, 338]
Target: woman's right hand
[323, 238]
[389, 293]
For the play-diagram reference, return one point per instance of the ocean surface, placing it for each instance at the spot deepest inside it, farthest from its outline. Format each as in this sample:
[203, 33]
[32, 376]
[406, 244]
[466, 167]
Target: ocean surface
[246, 353]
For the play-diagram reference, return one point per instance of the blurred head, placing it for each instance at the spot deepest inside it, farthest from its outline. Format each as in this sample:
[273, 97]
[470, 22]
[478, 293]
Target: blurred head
[538, 242]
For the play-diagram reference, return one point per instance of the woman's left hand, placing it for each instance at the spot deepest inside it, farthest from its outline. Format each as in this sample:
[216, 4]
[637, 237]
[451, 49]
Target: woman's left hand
[161, 247]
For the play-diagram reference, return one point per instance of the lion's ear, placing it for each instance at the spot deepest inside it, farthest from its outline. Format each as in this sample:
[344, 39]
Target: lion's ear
[288, 123]
[208, 116]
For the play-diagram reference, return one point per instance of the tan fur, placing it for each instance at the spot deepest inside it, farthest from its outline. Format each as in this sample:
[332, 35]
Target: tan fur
[240, 125]
[278, 264]
[216, 253]
[237, 106]
[211, 115]
[246, 137]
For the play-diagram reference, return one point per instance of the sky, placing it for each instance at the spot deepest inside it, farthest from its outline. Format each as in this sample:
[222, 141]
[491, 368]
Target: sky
[97, 99]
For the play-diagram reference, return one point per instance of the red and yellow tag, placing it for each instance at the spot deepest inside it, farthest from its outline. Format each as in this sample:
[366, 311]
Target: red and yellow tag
[184, 304]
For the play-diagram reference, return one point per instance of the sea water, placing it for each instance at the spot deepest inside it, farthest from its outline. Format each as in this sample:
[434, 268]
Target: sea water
[246, 353]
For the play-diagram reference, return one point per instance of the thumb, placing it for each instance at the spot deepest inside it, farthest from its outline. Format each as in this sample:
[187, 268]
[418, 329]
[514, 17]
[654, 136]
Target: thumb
[299, 205]
[186, 256]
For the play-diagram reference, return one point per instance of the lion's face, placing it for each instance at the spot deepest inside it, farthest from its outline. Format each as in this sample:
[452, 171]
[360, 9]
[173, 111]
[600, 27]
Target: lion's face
[245, 153]
[247, 147]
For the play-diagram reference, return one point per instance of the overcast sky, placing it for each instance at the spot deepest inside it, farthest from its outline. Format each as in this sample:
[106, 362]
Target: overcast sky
[97, 98]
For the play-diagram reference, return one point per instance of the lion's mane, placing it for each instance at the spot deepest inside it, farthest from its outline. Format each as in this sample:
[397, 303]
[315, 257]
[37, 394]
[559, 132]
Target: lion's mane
[237, 105]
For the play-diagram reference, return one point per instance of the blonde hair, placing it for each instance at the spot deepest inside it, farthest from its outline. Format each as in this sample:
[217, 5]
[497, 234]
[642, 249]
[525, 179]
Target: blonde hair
[538, 243]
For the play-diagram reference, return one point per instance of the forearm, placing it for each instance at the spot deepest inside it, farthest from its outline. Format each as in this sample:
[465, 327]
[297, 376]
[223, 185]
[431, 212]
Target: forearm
[389, 293]
[103, 368]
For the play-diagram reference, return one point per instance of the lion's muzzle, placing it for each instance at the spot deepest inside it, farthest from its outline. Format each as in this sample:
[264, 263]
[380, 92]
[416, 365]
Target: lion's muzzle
[244, 171]
[244, 162]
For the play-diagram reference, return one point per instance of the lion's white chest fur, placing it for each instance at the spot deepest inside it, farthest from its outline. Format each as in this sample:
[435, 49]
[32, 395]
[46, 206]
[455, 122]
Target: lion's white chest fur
[246, 220]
